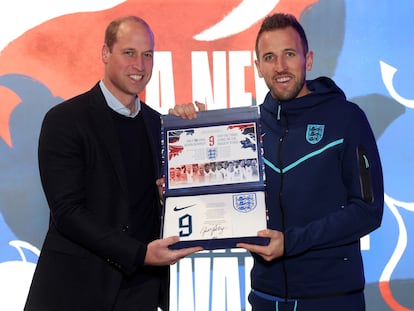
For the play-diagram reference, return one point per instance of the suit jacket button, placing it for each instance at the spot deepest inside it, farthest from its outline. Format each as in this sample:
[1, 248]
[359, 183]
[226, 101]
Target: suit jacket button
[125, 228]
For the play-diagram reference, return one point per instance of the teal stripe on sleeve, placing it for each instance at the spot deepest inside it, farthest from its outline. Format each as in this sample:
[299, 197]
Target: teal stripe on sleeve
[304, 158]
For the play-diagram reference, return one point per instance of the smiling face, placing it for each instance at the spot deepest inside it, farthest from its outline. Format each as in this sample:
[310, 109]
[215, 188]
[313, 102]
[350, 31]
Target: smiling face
[283, 64]
[129, 63]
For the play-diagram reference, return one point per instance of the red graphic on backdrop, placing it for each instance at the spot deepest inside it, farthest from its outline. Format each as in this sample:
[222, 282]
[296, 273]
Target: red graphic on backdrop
[64, 53]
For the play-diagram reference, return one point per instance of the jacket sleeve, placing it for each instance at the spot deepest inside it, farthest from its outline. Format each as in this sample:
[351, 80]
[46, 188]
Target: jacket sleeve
[362, 210]
[362, 177]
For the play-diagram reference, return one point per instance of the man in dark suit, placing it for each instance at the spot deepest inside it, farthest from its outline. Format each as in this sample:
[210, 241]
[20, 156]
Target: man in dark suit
[99, 159]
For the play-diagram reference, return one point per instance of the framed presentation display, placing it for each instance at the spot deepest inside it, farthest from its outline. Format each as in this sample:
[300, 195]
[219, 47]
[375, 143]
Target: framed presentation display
[214, 178]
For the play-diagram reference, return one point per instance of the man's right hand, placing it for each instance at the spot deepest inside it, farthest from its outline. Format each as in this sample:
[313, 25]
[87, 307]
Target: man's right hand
[158, 253]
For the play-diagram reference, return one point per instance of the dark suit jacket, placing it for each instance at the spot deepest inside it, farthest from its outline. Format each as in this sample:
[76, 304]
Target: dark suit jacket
[87, 250]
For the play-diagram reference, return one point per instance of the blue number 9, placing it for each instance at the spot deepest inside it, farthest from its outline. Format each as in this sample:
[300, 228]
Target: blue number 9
[186, 224]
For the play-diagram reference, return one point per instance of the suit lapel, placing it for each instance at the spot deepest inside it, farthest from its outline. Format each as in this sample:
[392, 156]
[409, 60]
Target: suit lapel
[103, 123]
[152, 127]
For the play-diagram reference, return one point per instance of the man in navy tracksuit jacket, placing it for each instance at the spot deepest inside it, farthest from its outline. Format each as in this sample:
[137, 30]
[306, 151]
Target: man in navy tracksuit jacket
[323, 180]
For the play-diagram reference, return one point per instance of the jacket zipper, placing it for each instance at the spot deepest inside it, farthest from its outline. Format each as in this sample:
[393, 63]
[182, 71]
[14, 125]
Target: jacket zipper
[280, 198]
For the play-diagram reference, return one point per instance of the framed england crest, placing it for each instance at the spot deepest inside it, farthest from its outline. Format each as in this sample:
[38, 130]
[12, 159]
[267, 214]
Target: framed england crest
[214, 178]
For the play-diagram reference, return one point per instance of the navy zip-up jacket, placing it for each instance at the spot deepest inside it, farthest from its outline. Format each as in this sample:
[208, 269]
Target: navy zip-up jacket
[324, 191]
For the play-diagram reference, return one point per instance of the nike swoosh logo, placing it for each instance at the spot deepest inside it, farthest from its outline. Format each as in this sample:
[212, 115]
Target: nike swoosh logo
[176, 208]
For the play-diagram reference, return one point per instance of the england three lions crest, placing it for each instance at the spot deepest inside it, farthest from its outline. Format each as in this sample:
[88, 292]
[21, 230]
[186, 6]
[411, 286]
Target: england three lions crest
[244, 202]
[314, 133]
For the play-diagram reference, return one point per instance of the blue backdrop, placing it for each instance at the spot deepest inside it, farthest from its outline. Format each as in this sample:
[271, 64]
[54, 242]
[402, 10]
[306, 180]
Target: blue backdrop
[366, 46]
